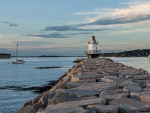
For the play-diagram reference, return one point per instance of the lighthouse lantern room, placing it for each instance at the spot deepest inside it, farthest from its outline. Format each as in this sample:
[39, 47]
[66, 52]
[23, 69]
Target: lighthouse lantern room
[92, 49]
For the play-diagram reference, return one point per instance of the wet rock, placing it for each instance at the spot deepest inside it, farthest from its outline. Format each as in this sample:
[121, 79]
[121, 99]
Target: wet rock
[49, 67]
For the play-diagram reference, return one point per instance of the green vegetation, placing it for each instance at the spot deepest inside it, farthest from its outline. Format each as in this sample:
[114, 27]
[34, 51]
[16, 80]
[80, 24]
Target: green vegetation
[4, 54]
[132, 53]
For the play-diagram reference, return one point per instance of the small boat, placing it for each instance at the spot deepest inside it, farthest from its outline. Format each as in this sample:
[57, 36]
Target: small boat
[17, 60]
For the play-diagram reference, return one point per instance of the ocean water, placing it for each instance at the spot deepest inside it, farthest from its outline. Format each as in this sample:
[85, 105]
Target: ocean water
[136, 62]
[26, 75]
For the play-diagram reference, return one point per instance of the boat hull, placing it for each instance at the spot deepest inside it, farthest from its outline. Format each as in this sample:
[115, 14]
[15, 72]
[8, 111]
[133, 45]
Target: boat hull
[18, 62]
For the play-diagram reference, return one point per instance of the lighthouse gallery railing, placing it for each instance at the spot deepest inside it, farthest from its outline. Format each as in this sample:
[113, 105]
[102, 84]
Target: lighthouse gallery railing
[93, 52]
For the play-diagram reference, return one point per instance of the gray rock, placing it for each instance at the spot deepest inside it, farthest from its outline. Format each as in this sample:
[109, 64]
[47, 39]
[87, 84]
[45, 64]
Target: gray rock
[126, 83]
[142, 83]
[132, 89]
[97, 86]
[63, 83]
[138, 77]
[146, 89]
[112, 79]
[62, 97]
[33, 101]
[103, 108]
[110, 95]
[75, 78]
[119, 91]
[38, 105]
[80, 92]
[66, 110]
[127, 105]
[141, 96]
[51, 95]
[44, 100]
[107, 92]
[27, 109]
[77, 103]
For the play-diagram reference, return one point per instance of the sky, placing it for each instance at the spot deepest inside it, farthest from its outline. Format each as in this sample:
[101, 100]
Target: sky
[64, 27]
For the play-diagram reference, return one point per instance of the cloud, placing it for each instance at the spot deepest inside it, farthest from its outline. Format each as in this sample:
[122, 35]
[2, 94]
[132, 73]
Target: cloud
[29, 43]
[82, 33]
[52, 35]
[71, 28]
[121, 19]
[135, 30]
[9, 23]
[134, 11]
[129, 12]
[57, 35]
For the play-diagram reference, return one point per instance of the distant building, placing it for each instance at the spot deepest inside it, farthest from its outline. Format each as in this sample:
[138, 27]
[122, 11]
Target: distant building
[5, 56]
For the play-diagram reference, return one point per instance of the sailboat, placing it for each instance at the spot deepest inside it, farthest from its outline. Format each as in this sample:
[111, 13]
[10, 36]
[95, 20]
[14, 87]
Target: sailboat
[17, 60]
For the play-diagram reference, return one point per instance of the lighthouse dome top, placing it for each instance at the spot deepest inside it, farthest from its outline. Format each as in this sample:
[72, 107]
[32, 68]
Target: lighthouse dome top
[93, 40]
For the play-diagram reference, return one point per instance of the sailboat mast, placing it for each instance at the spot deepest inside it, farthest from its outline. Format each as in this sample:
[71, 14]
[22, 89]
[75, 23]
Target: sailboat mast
[16, 51]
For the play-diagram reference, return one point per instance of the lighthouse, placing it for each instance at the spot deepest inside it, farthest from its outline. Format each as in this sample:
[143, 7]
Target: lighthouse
[93, 52]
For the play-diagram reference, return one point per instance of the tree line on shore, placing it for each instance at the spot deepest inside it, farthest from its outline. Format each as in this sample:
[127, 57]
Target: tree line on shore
[132, 53]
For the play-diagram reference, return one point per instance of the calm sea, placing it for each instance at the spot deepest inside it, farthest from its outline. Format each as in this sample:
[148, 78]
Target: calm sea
[26, 75]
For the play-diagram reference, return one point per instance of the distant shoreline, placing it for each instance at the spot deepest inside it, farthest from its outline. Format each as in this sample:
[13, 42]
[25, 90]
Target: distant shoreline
[49, 56]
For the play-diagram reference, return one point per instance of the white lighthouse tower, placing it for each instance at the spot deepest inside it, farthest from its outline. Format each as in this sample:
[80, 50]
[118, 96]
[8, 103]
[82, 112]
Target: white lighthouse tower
[92, 49]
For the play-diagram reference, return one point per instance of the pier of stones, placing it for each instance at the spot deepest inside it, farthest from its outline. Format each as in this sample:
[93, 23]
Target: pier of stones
[97, 85]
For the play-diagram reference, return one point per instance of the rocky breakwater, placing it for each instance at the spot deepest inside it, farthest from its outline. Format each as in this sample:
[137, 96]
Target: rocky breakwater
[95, 86]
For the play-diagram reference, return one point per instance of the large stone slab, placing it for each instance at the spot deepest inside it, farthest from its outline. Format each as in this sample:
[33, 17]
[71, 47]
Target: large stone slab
[103, 108]
[110, 95]
[65, 110]
[86, 76]
[141, 96]
[132, 89]
[80, 92]
[97, 86]
[142, 83]
[138, 77]
[77, 103]
[127, 83]
[62, 97]
[111, 79]
[127, 105]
